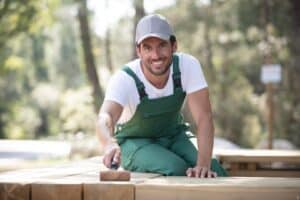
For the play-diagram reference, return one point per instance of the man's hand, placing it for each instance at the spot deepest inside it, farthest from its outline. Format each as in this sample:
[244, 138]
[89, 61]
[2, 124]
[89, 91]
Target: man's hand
[112, 153]
[201, 172]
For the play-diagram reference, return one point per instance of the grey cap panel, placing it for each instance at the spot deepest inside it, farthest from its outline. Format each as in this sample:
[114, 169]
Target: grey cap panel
[153, 26]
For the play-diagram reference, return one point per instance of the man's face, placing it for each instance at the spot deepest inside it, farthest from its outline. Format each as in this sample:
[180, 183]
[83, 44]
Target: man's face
[156, 55]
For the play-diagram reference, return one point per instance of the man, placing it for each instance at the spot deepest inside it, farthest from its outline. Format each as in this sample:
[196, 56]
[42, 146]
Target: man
[143, 101]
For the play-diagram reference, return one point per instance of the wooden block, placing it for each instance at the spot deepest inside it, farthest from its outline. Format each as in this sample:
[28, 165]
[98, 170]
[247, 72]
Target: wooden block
[108, 191]
[229, 188]
[114, 175]
[14, 191]
[56, 190]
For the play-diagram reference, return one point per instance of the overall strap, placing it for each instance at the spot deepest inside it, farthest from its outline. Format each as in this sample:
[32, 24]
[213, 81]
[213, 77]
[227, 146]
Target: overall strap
[176, 73]
[140, 86]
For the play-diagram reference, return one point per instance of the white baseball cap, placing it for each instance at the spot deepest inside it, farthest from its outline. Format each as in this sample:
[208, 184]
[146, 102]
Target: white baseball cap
[153, 26]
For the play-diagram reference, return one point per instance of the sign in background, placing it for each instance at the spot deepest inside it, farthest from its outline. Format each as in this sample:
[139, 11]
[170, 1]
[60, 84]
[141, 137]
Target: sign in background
[271, 73]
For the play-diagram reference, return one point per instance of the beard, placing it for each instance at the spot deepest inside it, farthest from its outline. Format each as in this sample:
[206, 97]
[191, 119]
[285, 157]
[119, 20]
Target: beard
[160, 72]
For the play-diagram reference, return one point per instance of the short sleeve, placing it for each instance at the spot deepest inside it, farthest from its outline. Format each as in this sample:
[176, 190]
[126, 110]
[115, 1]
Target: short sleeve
[117, 89]
[192, 75]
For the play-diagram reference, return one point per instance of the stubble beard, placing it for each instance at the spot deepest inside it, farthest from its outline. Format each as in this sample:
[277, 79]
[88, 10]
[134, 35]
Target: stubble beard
[159, 73]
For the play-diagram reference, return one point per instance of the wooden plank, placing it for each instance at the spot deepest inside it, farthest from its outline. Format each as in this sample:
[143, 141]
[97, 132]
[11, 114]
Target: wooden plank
[227, 188]
[108, 191]
[66, 182]
[261, 156]
[18, 183]
[14, 191]
[93, 188]
[56, 190]
[265, 173]
[93, 177]
[251, 166]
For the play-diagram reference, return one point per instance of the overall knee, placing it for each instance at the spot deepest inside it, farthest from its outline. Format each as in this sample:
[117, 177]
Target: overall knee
[176, 168]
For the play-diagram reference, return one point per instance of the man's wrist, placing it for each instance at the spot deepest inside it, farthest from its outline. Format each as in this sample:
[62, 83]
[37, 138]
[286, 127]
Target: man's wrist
[111, 142]
[204, 163]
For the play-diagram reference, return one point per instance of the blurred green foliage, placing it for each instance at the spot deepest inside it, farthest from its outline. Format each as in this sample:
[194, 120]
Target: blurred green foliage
[44, 88]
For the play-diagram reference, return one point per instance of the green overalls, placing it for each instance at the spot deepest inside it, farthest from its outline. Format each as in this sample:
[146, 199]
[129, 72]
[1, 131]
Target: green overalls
[155, 139]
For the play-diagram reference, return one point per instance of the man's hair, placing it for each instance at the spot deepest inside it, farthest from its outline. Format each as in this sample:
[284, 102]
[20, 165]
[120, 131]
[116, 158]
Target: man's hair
[172, 39]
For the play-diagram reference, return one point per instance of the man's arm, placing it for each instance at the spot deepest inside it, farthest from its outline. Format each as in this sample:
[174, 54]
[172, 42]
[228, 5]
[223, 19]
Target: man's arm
[200, 107]
[108, 116]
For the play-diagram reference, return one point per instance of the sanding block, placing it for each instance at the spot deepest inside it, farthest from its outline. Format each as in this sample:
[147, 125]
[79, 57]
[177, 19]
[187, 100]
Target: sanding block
[114, 174]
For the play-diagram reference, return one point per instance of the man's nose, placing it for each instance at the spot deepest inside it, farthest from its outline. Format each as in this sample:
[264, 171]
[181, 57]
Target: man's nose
[155, 53]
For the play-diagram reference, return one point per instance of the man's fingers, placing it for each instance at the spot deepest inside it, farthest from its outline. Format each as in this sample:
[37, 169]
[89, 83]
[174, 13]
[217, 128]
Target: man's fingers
[203, 173]
[107, 160]
[117, 156]
[215, 174]
[189, 172]
[197, 172]
[211, 174]
[112, 154]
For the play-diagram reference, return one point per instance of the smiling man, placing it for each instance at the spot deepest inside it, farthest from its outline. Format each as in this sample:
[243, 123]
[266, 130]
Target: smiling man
[140, 124]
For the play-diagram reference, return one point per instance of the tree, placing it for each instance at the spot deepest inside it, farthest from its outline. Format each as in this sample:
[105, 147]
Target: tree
[88, 55]
[107, 46]
[139, 13]
[15, 18]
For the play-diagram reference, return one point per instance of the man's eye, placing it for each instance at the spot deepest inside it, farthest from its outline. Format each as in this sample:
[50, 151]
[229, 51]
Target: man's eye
[147, 48]
[163, 45]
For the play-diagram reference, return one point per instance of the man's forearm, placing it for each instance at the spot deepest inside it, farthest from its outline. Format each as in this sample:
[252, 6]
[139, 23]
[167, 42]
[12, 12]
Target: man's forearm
[105, 129]
[205, 137]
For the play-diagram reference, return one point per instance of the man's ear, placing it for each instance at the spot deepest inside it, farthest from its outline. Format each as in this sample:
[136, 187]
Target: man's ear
[137, 50]
[174, 47]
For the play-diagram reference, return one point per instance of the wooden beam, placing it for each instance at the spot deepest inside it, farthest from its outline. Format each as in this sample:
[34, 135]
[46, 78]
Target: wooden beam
[12, 191]
[108, 191]
[265, 173]
[229, 188]
[56, 190]
[257, 155]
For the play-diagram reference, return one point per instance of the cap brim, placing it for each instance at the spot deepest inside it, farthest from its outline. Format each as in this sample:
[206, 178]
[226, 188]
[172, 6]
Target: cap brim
[160, 36]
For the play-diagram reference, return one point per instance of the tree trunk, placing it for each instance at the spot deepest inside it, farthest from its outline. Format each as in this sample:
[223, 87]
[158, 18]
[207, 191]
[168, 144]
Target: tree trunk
[108, 51]
[107, 47]
[139, 13]
[88, 55]
[208, 46]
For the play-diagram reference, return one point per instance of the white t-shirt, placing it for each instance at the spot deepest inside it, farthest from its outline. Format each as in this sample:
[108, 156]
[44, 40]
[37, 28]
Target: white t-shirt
[122, 88]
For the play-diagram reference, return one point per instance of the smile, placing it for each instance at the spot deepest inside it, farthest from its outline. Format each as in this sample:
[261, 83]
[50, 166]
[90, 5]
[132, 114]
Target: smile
[160, 62]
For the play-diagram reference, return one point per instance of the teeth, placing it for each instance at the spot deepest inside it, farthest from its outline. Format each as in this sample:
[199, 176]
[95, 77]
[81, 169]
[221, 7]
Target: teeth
[157, 62]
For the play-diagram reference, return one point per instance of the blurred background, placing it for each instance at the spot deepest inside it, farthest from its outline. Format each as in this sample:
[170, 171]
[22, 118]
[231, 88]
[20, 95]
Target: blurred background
[56, 57]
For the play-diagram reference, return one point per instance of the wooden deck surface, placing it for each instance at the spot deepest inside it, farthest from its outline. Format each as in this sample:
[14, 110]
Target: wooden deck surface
[80, 181]
[263, 163]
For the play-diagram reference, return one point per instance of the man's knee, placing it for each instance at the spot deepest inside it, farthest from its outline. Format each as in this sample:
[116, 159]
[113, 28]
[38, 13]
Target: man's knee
[175, 167]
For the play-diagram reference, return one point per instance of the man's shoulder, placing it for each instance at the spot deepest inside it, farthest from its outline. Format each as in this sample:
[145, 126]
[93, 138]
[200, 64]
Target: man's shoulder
[187, 62]
[133, 65]
[121, 77]
[186, 57]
